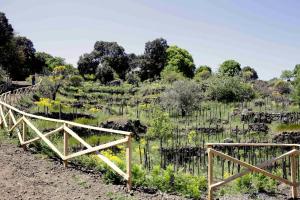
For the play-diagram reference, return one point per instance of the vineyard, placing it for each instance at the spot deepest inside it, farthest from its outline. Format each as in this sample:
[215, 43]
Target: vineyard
[180, 152]
[152, 125]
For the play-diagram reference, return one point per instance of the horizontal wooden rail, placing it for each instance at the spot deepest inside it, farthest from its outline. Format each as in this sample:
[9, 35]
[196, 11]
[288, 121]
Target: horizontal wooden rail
[8, 121]
[251, 168]
[251, 145]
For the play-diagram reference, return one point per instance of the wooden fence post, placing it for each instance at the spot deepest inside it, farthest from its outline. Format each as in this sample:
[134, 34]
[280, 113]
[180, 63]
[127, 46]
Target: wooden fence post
[24, 133]
[66, 144]
[293, 176]
[128, 161]
[9, 121]
[210, 173]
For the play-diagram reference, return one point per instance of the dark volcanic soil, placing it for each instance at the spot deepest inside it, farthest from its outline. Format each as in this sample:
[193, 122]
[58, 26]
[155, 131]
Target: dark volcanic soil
[28, 176]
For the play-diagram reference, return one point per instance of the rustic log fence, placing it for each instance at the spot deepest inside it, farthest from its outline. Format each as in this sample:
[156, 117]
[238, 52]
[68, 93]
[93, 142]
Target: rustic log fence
[260, 168]
[15, 120]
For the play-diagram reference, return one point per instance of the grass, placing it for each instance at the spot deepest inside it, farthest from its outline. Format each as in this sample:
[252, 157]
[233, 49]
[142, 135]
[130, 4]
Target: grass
[288, 127]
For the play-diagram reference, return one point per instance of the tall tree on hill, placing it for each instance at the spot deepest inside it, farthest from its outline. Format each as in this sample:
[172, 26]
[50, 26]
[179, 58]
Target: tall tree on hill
[180, 60]
[113, 54]
[155, 57]
[17, 54]
[230, 68]
[6, 35]
[248, 73]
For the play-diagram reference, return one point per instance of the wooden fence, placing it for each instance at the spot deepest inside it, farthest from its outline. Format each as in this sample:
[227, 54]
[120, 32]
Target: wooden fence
[260, 168]
[17, 121]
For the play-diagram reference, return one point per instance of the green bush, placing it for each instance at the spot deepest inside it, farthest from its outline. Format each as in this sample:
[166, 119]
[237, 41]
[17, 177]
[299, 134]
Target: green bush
[76, 80]
[228, 89]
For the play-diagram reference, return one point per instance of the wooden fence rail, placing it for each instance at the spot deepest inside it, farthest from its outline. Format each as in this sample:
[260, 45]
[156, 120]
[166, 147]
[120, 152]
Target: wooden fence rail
[293, 154]
[15, 120]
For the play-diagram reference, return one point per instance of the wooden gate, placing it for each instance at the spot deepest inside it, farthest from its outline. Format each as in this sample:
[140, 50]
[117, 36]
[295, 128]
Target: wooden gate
[293, 154]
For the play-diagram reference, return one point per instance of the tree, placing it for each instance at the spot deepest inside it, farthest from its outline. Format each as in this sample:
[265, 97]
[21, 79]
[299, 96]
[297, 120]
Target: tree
[87, 64]
[6, 30]
[296, 69]
[228, 89]
[248, 73]
[286, 75]
[160, 125]
[7, 50]
[169, 76]
[230, 68]
[155, 56]
[296, 91]
[24, 60]
[113, 54]
[203, 72]
[184, 95]
[51, 84]
[105, 73]
[180, 60]
[282, 87]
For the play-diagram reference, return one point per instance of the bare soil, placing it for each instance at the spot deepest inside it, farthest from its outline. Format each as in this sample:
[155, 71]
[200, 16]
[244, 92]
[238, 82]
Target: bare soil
[27, 176]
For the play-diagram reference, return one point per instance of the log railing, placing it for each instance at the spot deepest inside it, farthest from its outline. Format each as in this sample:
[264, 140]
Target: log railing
[260, 168]
[17, 121]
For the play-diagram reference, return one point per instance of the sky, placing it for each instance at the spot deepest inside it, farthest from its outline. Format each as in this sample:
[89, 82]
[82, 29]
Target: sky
[263, 34]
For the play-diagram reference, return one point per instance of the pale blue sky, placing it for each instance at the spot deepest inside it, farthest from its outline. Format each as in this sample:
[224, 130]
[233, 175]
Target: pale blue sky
[264, 34]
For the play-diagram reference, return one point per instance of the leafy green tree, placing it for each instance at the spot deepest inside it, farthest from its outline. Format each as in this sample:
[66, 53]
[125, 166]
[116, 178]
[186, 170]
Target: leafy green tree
[87, 64]
[51, 84]
[248, 73]
[230, 68]
[296, 91]
[296, 69]
[228, 89]
[17, 54]
[113, 54]
[105, 73]
[133, 78]
[169, 76]
[183, 95]
[6, 30]
[202, 73]
[76, 80]
[7, 49]
[154, 59]
[180, 60]
[282, 87]
[160, 125]
[287, 75]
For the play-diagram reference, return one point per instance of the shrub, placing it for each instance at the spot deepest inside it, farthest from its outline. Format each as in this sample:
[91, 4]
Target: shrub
[183, 96]
[169, 75]
[229, 89]
[76, 80]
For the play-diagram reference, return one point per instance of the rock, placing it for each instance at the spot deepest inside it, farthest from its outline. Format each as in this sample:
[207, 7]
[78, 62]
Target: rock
[292, 137]
[115, 83]
[228, 140]
[134, 126]
[258, 127]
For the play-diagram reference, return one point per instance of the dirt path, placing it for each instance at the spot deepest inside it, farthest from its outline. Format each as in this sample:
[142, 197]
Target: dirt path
[28, 176]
